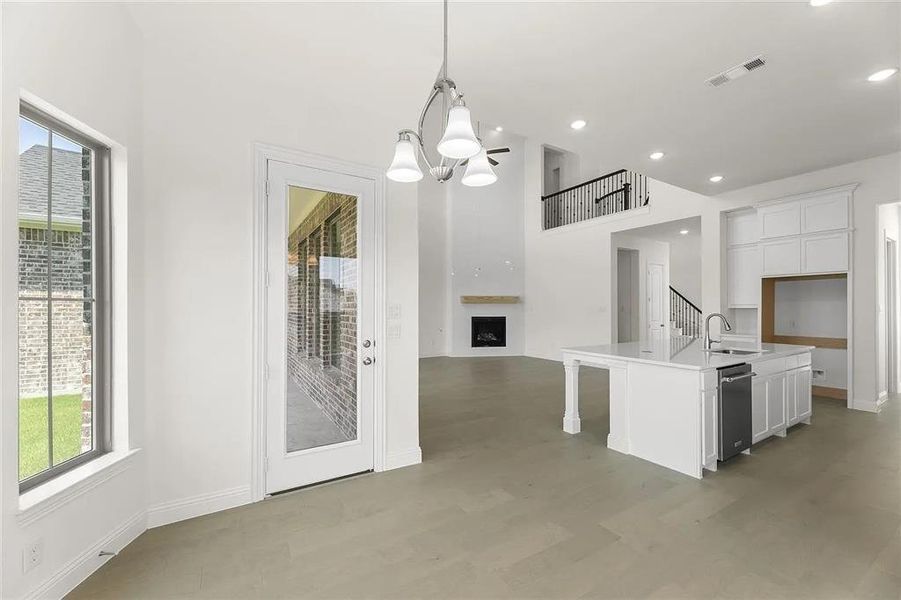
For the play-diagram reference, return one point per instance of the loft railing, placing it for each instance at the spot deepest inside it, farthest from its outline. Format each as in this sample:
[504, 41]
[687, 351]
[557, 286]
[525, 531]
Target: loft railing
[608, 194]
[684, 315]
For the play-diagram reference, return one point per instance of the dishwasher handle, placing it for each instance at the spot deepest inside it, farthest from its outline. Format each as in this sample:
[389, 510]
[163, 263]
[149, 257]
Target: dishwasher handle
[738, 377]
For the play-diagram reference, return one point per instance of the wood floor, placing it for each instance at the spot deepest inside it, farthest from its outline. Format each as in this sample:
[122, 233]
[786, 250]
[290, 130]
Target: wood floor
[507, 505]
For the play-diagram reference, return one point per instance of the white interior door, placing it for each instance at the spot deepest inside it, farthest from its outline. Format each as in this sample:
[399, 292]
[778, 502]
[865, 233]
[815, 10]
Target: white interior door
[319, 344]
[656, 301]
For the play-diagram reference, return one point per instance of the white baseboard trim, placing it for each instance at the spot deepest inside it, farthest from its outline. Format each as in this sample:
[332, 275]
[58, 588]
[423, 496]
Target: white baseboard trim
[883, 396]
[866, 405]
[404, 458]
[78, 569]
[196, 506]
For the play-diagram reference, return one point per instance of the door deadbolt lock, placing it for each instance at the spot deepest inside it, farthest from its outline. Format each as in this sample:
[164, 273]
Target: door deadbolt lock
[366, 343]
[368, 361]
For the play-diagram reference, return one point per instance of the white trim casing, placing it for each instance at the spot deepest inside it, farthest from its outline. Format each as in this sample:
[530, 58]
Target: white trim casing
[82, 566]
[262, 154]
[196, 506]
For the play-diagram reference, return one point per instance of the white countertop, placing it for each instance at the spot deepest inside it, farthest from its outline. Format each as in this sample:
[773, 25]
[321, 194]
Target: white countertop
[684, 353]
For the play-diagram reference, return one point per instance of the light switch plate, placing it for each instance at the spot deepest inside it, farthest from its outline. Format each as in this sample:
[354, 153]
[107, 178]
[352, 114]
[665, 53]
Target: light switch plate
[394, 311]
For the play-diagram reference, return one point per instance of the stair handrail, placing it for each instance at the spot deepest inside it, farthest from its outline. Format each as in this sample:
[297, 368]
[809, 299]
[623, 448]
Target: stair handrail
[689, 302]
[584, 183]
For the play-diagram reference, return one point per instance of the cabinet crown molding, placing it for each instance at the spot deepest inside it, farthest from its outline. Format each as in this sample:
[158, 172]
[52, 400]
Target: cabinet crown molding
[840, 189]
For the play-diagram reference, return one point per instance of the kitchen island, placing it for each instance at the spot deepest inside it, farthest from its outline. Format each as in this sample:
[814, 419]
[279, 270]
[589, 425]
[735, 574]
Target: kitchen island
[664, 396]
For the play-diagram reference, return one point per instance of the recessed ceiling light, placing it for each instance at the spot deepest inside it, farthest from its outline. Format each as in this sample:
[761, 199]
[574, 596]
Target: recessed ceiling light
[684, 232]
[578, 124]
[716, 178]
[656, 155]
[498, 128]
[819, 2]
[882, 75]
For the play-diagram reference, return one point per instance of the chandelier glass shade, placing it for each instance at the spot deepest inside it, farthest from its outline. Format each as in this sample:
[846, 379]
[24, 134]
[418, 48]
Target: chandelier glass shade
[458, 143]
[478, 171]
[404, 168]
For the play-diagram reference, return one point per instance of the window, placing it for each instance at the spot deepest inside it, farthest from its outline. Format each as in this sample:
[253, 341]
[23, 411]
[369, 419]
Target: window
[62, 273]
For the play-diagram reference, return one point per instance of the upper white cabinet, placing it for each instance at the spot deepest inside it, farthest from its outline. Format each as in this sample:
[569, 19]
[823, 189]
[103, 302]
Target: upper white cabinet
[741, 227]
[824, 253]
[743, 277]
[825, 213]
[779, 220]
[780, 257]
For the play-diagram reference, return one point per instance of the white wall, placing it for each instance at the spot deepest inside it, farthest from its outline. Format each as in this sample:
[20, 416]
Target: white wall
[209, 97]
[889, 226]
[84, 60]
[685, 266]
[649, 251]
[567, 278]
[879, 184]
[434, 271]
[486, 250]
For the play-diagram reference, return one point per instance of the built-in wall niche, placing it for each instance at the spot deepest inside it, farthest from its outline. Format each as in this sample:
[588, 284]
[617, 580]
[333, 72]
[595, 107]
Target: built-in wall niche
[811, 310]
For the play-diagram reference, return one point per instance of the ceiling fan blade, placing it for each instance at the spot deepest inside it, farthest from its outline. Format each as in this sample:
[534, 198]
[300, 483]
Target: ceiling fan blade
[493, 162]
[497, 150]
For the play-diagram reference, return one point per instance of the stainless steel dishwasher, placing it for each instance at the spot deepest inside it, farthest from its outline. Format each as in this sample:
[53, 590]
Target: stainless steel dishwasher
[734, 395]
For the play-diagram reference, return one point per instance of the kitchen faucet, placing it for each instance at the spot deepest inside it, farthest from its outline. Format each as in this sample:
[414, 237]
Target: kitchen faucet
[707, 340]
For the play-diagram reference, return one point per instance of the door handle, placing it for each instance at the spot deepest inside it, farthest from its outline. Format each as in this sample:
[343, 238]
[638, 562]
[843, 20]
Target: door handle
[737, 377]
[368, 361]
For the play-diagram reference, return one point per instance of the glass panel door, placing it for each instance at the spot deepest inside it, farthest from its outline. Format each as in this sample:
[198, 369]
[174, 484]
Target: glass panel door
[320, 317]
[321, 378]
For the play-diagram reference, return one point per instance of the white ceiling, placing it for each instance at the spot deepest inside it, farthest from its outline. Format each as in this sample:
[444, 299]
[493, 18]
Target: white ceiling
[636, 72]
[668, 232]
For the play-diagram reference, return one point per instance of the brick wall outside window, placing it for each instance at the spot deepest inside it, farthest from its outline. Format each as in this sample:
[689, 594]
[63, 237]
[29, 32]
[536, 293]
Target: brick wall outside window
[322, 309]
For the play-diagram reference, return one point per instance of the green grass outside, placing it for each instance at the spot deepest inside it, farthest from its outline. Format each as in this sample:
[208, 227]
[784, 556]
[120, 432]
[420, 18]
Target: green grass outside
[33, 447]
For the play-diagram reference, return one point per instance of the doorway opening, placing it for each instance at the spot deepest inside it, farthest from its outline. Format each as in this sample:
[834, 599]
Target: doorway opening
[656, 282]
[628, 293]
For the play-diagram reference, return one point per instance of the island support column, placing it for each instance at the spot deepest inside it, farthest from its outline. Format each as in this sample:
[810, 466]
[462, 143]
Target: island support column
[571, 421]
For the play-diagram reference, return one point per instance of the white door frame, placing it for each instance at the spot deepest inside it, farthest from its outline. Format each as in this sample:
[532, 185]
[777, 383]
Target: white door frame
[891, 314]
[262, 154]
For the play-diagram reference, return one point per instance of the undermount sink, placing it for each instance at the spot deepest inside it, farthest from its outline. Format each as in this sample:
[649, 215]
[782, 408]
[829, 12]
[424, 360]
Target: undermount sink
[734, 351]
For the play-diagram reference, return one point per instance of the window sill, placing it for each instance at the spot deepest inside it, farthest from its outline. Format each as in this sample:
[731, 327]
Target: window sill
[47, 497]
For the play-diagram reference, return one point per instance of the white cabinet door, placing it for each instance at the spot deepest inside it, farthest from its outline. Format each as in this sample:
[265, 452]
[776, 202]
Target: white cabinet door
[743, 276]
[782, 257]
[791, 397]
[805, 404]
[775, 403]
[709, 401]
[759, 427]
[741, 228]
[825, 253]
[779, 220]
[824, 213]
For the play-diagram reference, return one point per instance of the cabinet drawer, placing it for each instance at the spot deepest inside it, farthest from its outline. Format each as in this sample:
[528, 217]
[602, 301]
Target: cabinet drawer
[825, 253]
[766, 368]
[779, 220]
[781, 257]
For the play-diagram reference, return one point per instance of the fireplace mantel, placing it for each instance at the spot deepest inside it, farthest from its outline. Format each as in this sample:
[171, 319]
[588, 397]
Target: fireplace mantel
[489, 299]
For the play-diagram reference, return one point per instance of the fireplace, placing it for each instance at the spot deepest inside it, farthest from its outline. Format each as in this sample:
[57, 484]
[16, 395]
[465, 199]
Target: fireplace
[489, 331]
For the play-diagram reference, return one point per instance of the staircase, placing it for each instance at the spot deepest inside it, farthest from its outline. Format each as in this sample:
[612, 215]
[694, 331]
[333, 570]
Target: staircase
[608, 194]
[685, 317]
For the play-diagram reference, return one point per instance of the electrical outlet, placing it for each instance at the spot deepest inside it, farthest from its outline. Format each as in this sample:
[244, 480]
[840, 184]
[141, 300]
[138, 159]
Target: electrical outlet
[32, 555]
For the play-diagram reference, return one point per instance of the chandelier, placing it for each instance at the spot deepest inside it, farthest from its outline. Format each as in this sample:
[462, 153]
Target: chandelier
[459, 146]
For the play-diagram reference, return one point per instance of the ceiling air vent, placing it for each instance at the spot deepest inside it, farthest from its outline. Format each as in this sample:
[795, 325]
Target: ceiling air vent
[737, 71]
